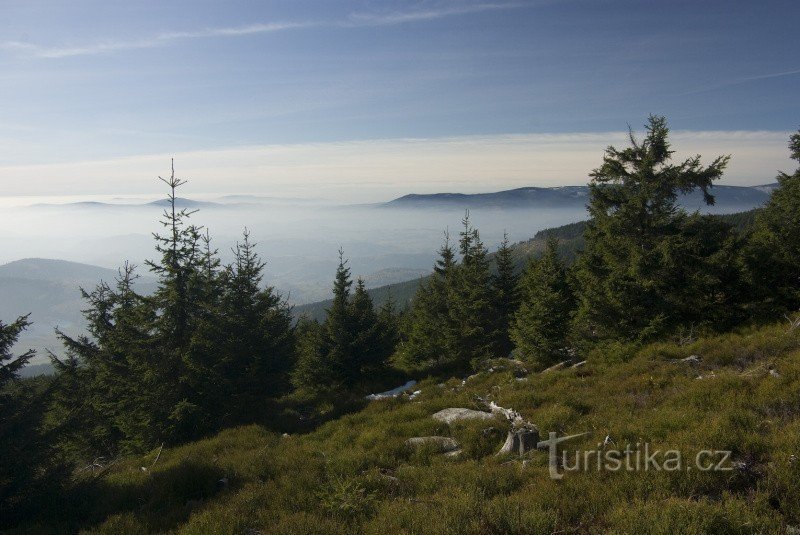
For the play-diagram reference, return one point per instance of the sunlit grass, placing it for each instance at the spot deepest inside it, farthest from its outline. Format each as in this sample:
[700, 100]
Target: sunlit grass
[356, 475]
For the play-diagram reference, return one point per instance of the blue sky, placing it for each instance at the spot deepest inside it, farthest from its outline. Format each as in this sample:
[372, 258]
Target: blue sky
[94, 96]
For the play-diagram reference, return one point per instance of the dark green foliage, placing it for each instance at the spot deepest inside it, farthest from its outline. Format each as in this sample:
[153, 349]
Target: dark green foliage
[208, 349]
[540, 327]
[243, 349]
[452, 324]
[348, 352]
[505, 294]
[24, 450]
[471, 309]
[425, 345]
[625, 279]
[774, 253]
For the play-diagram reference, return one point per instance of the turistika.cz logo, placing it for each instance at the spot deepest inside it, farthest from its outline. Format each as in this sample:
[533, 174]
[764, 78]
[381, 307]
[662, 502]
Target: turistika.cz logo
[639, 458]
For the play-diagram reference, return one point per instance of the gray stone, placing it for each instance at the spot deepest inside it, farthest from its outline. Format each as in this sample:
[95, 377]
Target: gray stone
[457, 414]
[440, 444]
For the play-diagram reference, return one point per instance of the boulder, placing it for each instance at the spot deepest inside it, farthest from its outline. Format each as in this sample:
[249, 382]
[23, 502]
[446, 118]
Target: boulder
[692, 360]
[457, 414]
[440, 444]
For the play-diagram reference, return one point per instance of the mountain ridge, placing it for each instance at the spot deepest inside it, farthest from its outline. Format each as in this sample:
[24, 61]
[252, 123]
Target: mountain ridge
[561, 196]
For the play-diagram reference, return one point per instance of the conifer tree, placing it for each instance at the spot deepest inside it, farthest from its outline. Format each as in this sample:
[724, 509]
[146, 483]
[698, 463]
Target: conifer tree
[181, 300]
[471, 314]
[540, 327]
[19, 439]
[312, 376]
[505, 293]
[624, 283]
[773, 256]
[31, 470]
[424, 341]
[389, 325]
[330, 350]
[368, 343]
[258, 324]
[110, 393]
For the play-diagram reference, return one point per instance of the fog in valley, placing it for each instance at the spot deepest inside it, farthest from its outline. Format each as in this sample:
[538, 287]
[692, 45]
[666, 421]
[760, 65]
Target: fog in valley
[298, 239]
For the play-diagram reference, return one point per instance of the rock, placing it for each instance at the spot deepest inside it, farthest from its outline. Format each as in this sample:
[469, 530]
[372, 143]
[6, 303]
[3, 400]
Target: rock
[457, 414]
[454, 453]
[774, 373]
[692, 359]
[520, 440]
[579, 364]
[441, 444]
[557, 366]
[414, 394]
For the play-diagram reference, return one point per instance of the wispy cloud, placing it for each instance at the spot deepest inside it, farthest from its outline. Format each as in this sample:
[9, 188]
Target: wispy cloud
[159, 40]
[399, 17]
[354, 20]
[744, 80]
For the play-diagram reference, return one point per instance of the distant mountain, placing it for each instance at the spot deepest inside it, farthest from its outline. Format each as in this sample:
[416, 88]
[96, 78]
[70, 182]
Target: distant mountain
[515, 198]
[46, 269]
[180, 202]
[728, 198]
[187, 203]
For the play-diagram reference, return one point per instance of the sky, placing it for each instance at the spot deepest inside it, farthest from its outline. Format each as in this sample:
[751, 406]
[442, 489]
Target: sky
[366, 100]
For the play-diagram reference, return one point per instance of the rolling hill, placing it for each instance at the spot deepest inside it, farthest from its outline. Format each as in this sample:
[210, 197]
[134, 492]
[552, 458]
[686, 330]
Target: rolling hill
[728, 198]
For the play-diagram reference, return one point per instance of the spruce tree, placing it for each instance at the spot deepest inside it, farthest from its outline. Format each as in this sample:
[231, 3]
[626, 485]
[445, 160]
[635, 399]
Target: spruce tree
[540, 327]
[505, 294]
[425, 345]
[110, 394]
[330, 350]
[32, 472]
[19, 440]
[368, 350]
[471, 314]
[774, 252]
[182, 302]
[259, 332]
[624, 282]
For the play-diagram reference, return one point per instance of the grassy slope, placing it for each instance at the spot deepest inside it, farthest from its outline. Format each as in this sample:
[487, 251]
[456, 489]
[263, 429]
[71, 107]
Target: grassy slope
[354, 474]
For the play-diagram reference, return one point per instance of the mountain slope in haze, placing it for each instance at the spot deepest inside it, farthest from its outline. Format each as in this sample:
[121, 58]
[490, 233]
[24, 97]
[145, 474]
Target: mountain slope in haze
[728, 198]
[49, 290]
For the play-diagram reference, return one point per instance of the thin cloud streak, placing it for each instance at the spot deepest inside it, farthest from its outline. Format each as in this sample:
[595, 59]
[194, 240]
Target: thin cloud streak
[740, 81]
[355, 20]
[369, 19]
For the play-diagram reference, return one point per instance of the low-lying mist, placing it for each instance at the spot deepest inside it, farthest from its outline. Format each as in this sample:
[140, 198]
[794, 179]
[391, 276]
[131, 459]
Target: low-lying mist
[299, 240]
